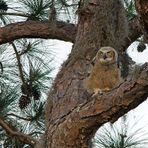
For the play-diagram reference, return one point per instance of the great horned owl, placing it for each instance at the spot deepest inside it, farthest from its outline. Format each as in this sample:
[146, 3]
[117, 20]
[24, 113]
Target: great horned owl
[105, 72]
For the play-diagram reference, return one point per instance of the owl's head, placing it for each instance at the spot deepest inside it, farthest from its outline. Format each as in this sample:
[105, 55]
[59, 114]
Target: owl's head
[107, 55]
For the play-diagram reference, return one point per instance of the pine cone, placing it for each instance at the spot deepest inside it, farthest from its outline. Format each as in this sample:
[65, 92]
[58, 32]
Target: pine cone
[24, 101]
[3, 5]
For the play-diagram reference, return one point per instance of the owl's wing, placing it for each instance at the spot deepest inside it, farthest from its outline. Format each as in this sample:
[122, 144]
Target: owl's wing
[92, 63]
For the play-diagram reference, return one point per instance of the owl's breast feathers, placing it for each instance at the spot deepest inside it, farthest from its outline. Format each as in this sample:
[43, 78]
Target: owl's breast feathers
[103, 77]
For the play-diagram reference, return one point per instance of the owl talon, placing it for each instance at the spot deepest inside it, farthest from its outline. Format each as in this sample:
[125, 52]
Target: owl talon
[107, 89]
[97, 91]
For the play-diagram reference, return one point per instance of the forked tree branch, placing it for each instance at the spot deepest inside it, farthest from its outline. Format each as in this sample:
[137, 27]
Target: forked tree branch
[111, 105]
[14, 14]
[13, 133]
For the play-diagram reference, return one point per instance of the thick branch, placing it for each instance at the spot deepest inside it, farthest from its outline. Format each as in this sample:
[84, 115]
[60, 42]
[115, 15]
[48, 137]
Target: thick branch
[38, 29]
[73, 116]
[12, 133]
[87, 117]
[112, 105]
[62, 31]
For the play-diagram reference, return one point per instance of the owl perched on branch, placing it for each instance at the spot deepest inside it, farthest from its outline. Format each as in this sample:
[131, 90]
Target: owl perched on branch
[105, 72]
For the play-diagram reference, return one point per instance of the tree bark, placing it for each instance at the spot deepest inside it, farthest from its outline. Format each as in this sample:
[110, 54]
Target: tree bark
[72, 115]
[142, 9]
[75, 128]
[134, 33]
[61, 31]
[38, 29]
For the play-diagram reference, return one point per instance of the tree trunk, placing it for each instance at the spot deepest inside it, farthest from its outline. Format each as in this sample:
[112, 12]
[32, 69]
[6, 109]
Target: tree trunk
[72, 115]
[101, 23]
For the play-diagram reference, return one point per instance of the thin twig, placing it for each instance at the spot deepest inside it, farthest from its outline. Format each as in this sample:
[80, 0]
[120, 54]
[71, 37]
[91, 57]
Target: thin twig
[14, 14]
[19, 63]
[26, 119]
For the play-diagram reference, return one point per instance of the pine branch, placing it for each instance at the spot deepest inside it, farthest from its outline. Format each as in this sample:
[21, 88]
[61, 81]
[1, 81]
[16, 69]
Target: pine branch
[14, 14]
[26, 119]
[1, 67]
[19, 63]
[13, 133]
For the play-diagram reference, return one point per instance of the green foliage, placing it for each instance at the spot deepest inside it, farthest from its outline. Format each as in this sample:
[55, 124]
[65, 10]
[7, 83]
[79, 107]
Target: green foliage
[3, 5]
[121, 135]
[130, 9]
[33, 60]
[44, 9]
[11, 10]
[38, 75]
[8, 96]
[3, 8]
[36, 9]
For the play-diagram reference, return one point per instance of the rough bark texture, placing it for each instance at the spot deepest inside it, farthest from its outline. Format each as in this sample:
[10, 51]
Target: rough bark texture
[72, 115]
[62, 31]
[37, 29]
[75, 128]
[142, 9]
[135, 32]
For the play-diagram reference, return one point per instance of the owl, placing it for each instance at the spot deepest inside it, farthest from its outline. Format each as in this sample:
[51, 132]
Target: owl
[105, 72]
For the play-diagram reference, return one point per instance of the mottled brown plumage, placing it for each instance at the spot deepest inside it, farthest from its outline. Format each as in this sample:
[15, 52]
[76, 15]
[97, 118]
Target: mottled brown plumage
[105, 72]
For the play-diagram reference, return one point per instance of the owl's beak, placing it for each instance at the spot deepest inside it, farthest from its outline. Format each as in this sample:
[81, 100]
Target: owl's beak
[104, 56]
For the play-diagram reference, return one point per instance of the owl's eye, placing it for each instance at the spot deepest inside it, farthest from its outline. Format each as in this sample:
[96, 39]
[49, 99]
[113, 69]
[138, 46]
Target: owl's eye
[101, 53]
[109, 54]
